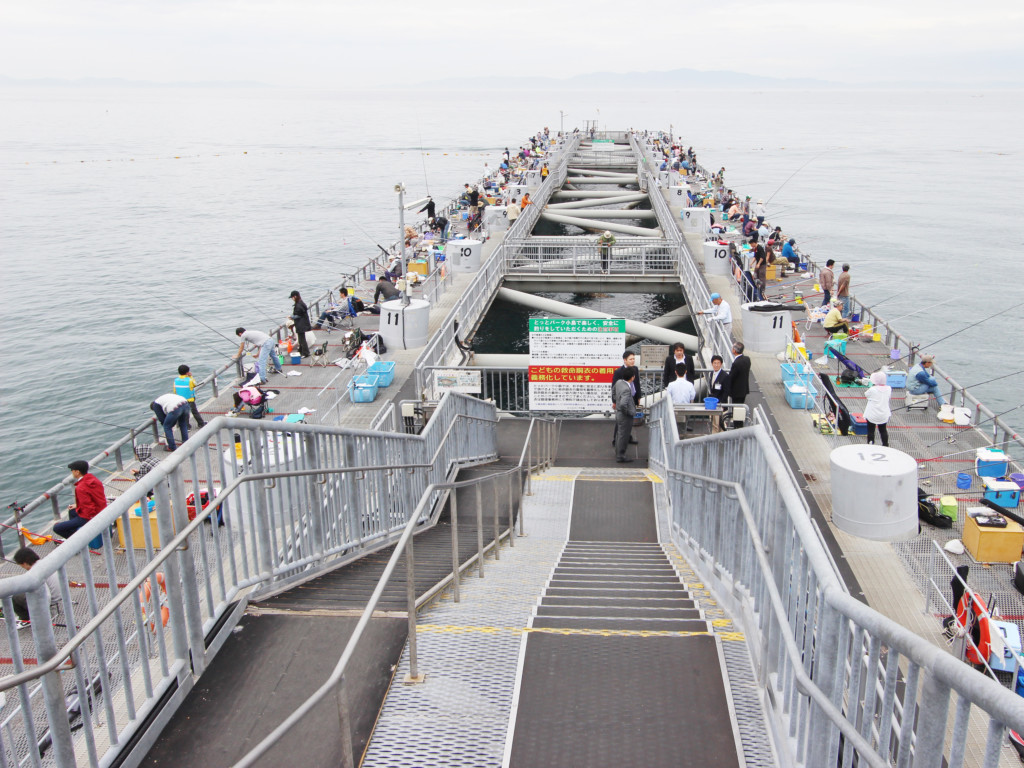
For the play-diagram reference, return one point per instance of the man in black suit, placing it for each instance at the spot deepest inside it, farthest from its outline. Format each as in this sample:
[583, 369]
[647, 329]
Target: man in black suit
[739, 378]
[718, 386]
[628, 364]
[676, 356]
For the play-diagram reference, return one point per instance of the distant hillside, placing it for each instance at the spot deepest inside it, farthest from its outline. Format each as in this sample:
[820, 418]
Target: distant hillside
[676, 78]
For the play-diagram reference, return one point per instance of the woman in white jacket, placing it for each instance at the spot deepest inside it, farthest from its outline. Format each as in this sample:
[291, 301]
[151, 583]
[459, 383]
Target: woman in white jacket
[877, 411]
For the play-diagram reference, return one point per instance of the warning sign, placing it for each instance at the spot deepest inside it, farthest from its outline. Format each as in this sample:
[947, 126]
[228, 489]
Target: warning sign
[572, 362]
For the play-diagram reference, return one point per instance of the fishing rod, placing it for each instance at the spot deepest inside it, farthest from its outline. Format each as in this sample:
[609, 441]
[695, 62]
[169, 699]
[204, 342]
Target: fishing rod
[972, 450]
[773, 194]
[922, 309]
[978, 322]
[188, 314]
[997, 378]
[367, 235]
[423, 158]
[94, 421]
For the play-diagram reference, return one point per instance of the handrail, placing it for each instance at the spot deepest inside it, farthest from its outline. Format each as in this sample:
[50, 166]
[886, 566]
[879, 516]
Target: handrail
[403, 547]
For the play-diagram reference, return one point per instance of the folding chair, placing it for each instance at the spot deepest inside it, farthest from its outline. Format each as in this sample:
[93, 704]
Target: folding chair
[319, 355]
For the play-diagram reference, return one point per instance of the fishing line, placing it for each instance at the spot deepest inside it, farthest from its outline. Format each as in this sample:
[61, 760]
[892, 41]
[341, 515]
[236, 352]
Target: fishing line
[922, 309]
[979, 322]
[773, 194]
[997, 378]
[166, 301]
[972, 450]
[423, 158]
[94, 421]
[986, 421]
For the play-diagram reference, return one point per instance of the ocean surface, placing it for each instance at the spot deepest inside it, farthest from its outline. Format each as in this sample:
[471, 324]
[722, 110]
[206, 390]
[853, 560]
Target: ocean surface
[123, 210]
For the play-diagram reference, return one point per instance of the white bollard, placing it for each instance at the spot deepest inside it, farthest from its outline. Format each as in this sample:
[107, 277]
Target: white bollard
[677, 195]
[696, 221]
[765, 331]
[716, 259]
[874, 492]
[495, 218]
[463, 255]
[405, 327]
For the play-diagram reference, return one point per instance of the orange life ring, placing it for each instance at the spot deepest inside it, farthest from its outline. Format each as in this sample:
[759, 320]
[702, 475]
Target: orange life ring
[147, 595]
[971, 614]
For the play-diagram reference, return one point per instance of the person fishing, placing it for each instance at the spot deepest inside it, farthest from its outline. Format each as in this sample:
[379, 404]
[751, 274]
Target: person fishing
[834, 321]
[90, 498]
[877, 412]
[920, 380]
[27, 558]
[300, 316]
[262, 342]
[604, 243]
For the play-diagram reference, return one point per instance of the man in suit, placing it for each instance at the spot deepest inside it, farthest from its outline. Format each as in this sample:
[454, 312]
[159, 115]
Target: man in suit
[625, 411]
[718, 386]
[676, 356]
[628, 365]
[739, 378]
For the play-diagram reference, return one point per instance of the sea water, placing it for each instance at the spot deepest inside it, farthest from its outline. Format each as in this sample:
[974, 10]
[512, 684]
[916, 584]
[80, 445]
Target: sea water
[122, 210]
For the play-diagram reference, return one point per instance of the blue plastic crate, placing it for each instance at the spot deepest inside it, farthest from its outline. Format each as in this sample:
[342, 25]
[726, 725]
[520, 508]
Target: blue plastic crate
[384, 370]
[800, 395]
[796, 372]
[363, 389]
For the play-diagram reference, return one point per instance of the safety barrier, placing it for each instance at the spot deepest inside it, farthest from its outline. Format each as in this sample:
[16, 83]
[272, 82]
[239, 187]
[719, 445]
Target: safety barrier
[844, 682]
[289, 501]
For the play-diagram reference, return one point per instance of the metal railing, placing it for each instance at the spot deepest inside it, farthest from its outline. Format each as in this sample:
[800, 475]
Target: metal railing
[582, 256]
[844, 681]
[539, 450]
[290, 500]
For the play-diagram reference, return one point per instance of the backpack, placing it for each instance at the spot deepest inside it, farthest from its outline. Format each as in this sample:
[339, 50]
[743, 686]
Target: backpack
[848, 376]
[927, 512]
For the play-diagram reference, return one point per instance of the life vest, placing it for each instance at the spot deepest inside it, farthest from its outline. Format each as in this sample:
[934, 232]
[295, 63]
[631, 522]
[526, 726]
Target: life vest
[972, 616]
[183, 386]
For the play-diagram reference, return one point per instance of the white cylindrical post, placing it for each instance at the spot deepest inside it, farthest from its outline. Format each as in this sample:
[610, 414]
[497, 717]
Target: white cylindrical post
[696, 221]
[765, 331]
[677, 195]
[463, 255]
[874, 492]
[404, 326]
[716, 259]
[533, 179]
[496, 218]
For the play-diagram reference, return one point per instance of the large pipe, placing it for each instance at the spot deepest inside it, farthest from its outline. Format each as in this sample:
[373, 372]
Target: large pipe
[668, 320]
[581, 194]
[643, 330]
[595, 172]
[623, 179]
[595, 225]
[632, 197]
[612, 213]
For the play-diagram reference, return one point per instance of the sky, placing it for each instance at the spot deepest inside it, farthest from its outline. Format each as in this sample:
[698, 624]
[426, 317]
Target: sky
[374, 43]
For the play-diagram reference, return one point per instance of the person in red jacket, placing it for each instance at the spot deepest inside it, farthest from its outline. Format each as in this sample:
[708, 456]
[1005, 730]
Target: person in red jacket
[90, 500]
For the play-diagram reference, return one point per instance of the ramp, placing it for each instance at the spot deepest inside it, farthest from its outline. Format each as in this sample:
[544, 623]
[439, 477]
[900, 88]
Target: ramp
[621, 668]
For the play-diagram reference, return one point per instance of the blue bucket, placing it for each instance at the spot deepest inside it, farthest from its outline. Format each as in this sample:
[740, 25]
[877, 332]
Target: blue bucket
[710, 403]
[963, 481]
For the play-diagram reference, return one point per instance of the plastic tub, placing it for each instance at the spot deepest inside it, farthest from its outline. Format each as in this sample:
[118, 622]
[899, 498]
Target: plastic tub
[363, 389]
[710, 403]
[384, 370]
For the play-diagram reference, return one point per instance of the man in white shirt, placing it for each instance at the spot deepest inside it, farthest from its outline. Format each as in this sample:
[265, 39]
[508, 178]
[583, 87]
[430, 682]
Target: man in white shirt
[171, 409]
[721, 312]
[681, 390]
[265, 345]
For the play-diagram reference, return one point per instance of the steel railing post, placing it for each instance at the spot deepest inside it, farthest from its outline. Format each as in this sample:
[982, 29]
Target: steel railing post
[414, 675]
[511, 514]
[172, 578]
[453, 501]
[187, 566]
[497, 525]
[53, 689]
[479, 530]
[519, 484]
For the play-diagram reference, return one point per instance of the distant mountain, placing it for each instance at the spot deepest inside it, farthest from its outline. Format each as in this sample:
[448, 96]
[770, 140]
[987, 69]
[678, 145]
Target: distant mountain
[118, 82]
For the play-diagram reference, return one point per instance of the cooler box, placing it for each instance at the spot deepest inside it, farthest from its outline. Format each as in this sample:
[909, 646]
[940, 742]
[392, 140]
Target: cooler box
[419, 267]
[138, 532]
[948, 506]
[1002, 492]
[800, 395]
[990, 462]
[860, 424]
[835, 343]
[384, 370]
[896, 379]
[993, 545]
[296, 358]
[1010, 633]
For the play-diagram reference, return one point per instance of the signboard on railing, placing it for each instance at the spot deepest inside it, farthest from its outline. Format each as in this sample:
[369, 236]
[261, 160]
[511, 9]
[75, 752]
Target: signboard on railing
[456, 380]
[572, 362]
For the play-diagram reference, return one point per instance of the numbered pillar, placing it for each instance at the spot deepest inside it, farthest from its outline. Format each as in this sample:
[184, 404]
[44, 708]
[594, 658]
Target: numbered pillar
[665, 178]
[874, 492]
[463, 255]
[716, 259]
[696, 221]
[516, 192]
[766, 328]
[533, 179]
[677, 195]
[495, 218]
[405, 327]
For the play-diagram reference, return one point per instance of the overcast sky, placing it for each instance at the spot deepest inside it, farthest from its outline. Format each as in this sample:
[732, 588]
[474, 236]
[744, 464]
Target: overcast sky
[340, 44]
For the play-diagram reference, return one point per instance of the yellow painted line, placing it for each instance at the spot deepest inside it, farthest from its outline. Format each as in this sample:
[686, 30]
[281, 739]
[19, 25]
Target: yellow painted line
[653, 477]
[451, 629]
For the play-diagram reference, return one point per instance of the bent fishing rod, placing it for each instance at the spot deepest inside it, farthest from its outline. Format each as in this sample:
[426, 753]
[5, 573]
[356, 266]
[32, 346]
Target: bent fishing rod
[188, 314]
[773, 194]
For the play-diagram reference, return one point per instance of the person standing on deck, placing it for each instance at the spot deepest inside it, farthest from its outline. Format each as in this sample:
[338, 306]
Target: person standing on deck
[300, 316]
[171, 409]
[430, 208]
[262, 342]
[827, 280]
[877, 411]
[739, 377]
[843, 290]
[185, 385]
[628, 366]
[721, 312]
[759, 212]
[677, 356]
[746, 212]
[604, 245]
[625, 412]
[513, 211]
[90, 499]
[681, 389]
